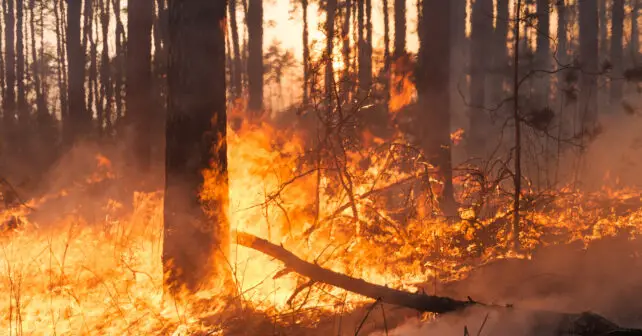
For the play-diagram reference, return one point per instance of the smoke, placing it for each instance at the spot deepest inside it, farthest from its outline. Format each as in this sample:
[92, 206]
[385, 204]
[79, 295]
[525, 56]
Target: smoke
[605, 279]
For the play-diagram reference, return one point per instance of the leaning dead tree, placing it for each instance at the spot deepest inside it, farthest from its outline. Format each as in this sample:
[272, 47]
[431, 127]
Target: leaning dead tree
[582, 324]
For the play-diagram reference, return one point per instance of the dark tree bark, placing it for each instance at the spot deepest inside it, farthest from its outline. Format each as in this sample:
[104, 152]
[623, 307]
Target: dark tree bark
[105, 73]
[119, 67]
[589, 63]
[400, 29]
[482, 26]
[306, 53]
[361, 47]
[255, 58]
[88, 13]
[562, 47]
[2, 68]
[23, 113]
[93, 62]
[345, 37]
[543, 50]
[159, 94]
[603, 26]
[41, 104]
[366, 80]
[79, 119]
[617, 59]
[634, 45]
[500, 55]
[237, 68]
[9, 99]
[196, 138]
[61, 69]
[386, 53]
[331, 9]
[140, 16]
[433, 88]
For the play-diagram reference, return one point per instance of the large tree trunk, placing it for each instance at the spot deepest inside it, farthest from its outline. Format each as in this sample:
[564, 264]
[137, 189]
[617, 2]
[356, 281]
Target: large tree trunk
[196, 137]
[400, 29]
[331, 9]
[237, 69]
[255, 57]
[78, 118]
[23, 113]
[480, 125]
[9, 99]
[433, 88]
[542, 55]
[617, 59]
[589, 63]
[140, 16]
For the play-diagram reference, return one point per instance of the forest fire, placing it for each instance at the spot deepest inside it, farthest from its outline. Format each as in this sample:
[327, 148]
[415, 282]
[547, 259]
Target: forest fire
[386, 168]
[106, 276]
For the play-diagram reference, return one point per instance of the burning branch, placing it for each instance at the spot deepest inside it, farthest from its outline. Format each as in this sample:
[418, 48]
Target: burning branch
[583, 324]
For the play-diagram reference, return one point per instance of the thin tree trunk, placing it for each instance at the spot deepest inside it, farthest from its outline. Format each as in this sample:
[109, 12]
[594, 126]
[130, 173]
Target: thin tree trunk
[119, 60]
[61, 70]
[368, 49]
[95, 74]
[589, 63]
[9, 101]
[543, 50]
[41, 104]
[345, 52]
[105, 73]
[361, 48]
[140, 17]
[517, 175]
[93, 66]
[43, 74]
[500, 55]
[386, 53]
[2, 69]
[617, 59]
[603, 24]
[433, 87]
[400, 29]
[306, 54]
[255, 58]
[634, 44]
[23, 113]
[331, 8]
[79, 120]
[196, 137]
[479, 120]
[237, 69]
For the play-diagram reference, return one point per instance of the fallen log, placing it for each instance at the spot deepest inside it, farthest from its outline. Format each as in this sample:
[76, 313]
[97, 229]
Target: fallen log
[583, 324]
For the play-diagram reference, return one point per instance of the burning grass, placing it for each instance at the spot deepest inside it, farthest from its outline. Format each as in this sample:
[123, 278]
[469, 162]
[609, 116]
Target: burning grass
[369, 213]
